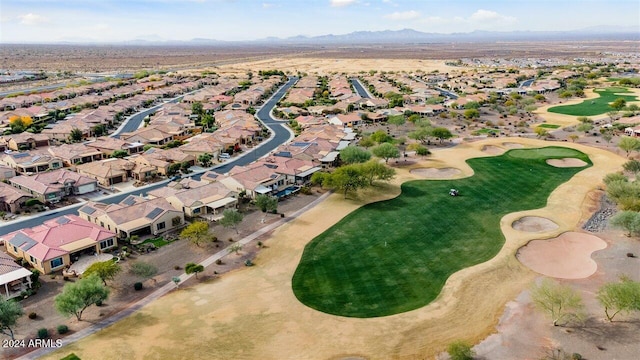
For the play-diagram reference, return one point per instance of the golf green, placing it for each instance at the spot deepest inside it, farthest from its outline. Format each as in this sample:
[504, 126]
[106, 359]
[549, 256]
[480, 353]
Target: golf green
[597, 106]
[394, 256]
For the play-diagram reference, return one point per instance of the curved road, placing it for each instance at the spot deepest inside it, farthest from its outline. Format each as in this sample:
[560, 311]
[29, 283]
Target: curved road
[280, 135]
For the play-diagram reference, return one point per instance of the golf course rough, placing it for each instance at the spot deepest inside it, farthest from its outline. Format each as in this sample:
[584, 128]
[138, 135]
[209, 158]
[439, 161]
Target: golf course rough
[395, 256]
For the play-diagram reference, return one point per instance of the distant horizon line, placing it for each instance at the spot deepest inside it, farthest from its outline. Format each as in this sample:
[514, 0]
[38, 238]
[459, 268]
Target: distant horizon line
[593, 31]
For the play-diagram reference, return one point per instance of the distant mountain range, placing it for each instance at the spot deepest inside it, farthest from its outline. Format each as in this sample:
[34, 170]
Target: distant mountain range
[410, 36]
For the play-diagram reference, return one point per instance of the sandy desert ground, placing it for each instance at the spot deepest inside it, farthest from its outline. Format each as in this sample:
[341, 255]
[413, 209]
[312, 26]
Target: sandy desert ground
[252, 312]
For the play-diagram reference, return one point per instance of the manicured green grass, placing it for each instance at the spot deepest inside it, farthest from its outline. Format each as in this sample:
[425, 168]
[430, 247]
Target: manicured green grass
[158, 242]
[394, 256]
[549, 126]
[597, 106]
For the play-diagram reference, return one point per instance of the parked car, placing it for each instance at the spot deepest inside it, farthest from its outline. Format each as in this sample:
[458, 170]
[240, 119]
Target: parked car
[224, 156]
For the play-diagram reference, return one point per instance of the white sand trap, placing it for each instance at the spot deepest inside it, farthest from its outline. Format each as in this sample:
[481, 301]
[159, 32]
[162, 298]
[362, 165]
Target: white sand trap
[566, 162]
[566, 257]
[512, 145]
[534, 224]
[493, 150]
[436, 173]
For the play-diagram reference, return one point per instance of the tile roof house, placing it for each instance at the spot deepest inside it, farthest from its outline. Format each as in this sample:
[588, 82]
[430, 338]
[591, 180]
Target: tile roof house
[61, 131]
[107, 145]
[134, 216]
[197, 198]
[12, 199]
[161, 159]
[254, 179]
[108, 172]
[24, 141]
[73, 154]
[28, 162]
[54, 186]
[14, 279]
[152, 134]
[55, 243]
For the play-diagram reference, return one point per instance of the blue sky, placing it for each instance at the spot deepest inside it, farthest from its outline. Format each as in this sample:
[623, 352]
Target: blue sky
[117, 20]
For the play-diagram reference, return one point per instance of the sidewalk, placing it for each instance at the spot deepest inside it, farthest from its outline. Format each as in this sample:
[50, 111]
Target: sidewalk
[169, 286]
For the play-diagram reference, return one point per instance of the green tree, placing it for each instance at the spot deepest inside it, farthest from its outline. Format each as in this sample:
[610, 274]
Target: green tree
[196, 108]
[354, 154]
[10, 311]
[460, 350]
[366, 142]
[541, 132]
[105, 270]
[193, 268]
[623, 296]
[584, 120]
[396, 120]
[231, 218]
[441, 134]
[267, 203]
[626, 220]
[197, 232]
[75, 135]
[618, 104]
[207, 121]
[561, 302]
[632, 166]
[205, 159]
[374, 170]
[173, 168]
[472, 105]
[421, 134]
[346, 178]
[119, 154]
[99, 130]
[77, 297]
[471, 114]
[381, 137]
[318, 178]
[386, 151]
[629, 144]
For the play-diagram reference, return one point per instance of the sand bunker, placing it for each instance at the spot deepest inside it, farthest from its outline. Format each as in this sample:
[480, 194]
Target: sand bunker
[566, 162]
[436, 173]
[493, 150]
[534, 224]
[511, 145]
[566, 257]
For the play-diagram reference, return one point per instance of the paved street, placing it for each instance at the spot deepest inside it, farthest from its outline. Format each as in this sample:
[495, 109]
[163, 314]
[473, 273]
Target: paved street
[360, 89]
[280, 135]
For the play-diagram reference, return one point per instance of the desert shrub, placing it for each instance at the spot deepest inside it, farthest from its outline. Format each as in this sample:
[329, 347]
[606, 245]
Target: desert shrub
[248, 262]
[32, 315]
[43, 333]
[576, 356]
[219, 262]
[177, 267]
[63, 329]
[460, 350]
[99, 303]
[71, 356]
[137, 286]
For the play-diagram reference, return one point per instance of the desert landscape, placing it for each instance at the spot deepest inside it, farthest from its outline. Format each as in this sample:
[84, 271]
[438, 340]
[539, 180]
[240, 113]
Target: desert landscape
[193, 184]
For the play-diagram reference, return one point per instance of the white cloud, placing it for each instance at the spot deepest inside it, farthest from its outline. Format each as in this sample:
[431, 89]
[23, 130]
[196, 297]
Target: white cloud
[403, 15]
[341, 3]
[32, 19]
[267, 5]
[488, 16]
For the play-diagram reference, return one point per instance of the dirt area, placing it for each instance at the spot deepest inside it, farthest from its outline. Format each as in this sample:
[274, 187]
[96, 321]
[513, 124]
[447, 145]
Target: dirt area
[567, 256]
[257, 302]
[493, 150]
[534, 224]
[165, 259]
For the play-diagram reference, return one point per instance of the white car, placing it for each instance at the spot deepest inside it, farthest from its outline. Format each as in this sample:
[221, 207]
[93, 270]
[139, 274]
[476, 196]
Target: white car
[224, 156]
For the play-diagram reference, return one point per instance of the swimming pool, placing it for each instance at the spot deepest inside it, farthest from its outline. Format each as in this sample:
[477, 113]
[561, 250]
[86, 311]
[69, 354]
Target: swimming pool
[287, 191]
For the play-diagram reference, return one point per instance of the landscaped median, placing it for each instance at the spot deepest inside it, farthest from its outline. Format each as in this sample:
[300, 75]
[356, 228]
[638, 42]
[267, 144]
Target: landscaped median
[394, 256]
